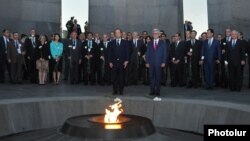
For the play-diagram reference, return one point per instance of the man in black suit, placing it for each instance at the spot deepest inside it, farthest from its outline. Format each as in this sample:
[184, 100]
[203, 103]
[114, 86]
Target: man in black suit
[246, 48]
[77, 28]
[15, 55]
[69, 26]
[193, 58]
[30, 44]
[235, 53]
[135, 59]
[81, 38]
[118, 56]
[104, 72]
[224, 44]
[177, 53]
[248, 55]
[90, 57]
[74, 55]
[168, 60]
[4, 40]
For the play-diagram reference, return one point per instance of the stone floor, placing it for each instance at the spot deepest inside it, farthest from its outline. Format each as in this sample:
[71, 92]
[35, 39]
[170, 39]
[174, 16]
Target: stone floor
[8, 91]
[53, 134]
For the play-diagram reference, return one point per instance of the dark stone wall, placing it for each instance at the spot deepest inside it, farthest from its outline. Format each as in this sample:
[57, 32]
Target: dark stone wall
[136, 15]
[229, 13]
[22, 15]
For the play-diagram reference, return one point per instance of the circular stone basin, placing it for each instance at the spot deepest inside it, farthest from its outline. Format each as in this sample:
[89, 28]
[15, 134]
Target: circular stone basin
[93, 127]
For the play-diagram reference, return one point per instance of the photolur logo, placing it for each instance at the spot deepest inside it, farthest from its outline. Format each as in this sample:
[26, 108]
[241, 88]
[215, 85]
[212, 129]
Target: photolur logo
[225, 132]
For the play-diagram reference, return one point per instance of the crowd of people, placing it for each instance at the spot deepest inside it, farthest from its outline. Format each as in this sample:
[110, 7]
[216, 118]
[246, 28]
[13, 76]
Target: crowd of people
[126, 58]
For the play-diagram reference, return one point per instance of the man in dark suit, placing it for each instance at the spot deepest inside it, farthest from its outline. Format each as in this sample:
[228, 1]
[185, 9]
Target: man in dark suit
[69, 26]
[74, 55]
[90, 57]
[81, 38]
[194, 54]
[168, 60]
[211, 54]
[4, 40]
[30, 44]
[104, 73]
[224, 44]
[135, 60]
[177, 53]
[15, 56]
[248, 56]
[156, 60]
[77, 28]
[118, 57]
[236, 59]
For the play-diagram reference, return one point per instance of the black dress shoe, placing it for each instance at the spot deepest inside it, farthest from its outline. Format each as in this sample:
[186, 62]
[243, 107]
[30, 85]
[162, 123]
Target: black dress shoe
[151, 93]
[157, 94]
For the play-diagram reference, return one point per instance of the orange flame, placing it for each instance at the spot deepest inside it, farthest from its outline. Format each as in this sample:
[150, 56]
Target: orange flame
[111, 115]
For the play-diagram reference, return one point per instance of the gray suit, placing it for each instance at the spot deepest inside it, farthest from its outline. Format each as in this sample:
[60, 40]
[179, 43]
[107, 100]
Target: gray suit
[14, 51]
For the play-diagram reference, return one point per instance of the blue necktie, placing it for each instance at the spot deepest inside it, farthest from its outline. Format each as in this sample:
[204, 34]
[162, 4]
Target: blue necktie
[16, 44]
[234, 43]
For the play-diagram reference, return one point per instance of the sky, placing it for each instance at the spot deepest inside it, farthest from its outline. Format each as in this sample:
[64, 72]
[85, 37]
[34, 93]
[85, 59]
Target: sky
[77, 8]
[194, 11]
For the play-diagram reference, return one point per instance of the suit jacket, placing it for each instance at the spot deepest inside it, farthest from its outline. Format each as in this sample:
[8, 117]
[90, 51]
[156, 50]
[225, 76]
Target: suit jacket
[78, 29]
[104, 49]
[156, 57]
[12, 51]
[30, 48]
[2, 48]
[117, 55]
[196, 50]
[235, 54]
[74, 50]
[134, 50]
[168, 51]
[87, 50]
[178, 52]
[211, 53]
[42, 51]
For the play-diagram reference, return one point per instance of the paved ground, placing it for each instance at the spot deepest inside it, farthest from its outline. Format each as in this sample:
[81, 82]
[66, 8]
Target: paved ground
[8, 91]
[54, 135]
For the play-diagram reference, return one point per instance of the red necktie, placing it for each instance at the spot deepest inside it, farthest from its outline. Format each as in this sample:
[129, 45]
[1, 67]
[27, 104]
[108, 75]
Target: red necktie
[155, 45]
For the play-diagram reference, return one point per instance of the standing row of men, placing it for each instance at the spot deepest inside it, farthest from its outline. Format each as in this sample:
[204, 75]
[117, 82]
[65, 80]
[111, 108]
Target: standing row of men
[132, 59]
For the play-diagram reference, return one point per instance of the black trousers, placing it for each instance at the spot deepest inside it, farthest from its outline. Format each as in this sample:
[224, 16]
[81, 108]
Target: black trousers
[33, 73]
[118, 79]
[66, 66]
[133, 72]
[74, 68]
[194, 75]
[107, 74]
[3, 65]
[249, 72]
[90, 71]
[100, 66]
[178, 74]
[16, 72]
[235, 77]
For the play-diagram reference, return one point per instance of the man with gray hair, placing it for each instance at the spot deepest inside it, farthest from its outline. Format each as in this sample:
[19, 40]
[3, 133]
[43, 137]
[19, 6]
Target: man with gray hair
[155, 60]
[135, 47]
[235, 59]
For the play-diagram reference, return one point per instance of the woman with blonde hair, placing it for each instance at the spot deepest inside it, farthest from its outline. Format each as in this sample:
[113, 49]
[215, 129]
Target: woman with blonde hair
[42, 59]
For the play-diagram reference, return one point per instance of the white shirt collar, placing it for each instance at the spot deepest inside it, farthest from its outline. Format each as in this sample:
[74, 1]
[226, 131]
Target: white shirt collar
[156, 40]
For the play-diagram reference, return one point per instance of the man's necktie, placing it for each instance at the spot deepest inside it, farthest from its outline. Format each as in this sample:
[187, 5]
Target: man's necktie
[16, 44]
[155, 45]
